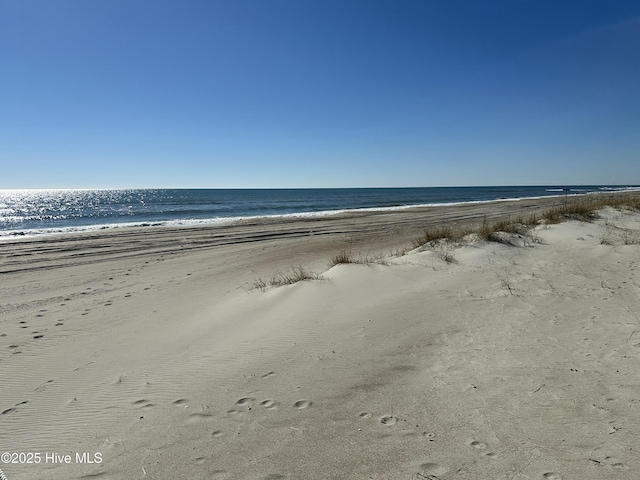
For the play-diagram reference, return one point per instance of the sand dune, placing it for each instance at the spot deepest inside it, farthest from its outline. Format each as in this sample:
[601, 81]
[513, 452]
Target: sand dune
[151, 348]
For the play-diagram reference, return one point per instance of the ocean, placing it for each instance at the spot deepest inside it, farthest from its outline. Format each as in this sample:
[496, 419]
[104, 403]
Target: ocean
[45, 212]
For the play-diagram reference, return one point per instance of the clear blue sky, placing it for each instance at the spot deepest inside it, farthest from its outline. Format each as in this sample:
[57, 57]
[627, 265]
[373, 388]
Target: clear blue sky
[301, 93]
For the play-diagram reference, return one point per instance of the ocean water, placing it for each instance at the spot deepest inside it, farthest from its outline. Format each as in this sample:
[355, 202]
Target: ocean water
[40, 212]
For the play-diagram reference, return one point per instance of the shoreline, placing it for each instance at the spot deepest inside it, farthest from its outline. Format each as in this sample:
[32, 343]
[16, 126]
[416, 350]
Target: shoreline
[153, 349]
[304, 237]
[34, 233]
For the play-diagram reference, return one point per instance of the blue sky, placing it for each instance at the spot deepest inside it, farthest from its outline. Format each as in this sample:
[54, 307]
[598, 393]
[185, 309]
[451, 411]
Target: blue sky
[301, 93]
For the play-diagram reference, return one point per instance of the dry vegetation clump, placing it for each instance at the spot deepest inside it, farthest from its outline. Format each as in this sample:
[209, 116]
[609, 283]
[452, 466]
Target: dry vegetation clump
[623, 200]
[583, 211]
[289, 277]
[293, 275]
[442, 232]
[347, 256]
[520, 225]
[586, 208]
[489, 231]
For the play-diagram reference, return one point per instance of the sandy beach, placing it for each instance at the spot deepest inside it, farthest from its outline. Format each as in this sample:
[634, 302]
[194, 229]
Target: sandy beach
[149, 353]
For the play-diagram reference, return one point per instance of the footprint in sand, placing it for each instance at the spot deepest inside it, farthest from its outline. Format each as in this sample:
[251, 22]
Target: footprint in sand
[269, 404]
[388, 420]
[613, 462]
[551, 476]
[300, 404]
[143, 403]
[478, 445]
[430, 470]
[93, 475]
[365, 415]
[43, 386]
[196, 418]
[245, 402]
[217, 434]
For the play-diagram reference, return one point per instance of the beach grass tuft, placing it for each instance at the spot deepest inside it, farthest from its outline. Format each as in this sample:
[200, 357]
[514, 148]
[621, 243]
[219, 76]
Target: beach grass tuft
[293, 275]
[287, 277]
[442, 232]
[344, 256]
[347, 256]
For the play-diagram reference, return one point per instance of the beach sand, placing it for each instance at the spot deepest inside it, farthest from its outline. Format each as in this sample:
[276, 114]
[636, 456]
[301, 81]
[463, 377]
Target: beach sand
[150, 351]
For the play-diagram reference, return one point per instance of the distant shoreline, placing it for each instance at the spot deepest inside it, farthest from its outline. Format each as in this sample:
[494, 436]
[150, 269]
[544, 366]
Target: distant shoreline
[7, 234]
[367, 230]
